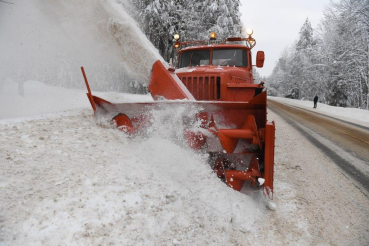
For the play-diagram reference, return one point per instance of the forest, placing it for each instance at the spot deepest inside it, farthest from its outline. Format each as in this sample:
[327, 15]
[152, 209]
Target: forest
[192, 19]
[331, 60]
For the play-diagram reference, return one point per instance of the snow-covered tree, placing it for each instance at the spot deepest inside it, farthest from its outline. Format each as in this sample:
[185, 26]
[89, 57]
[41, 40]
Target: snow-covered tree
[192, 19]
[332, 60]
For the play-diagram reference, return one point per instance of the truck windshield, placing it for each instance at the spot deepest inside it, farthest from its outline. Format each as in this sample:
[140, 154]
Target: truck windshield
[230, 57]
[194, 58]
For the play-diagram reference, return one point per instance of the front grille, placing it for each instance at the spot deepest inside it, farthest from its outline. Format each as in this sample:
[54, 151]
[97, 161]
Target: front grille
[203, 87]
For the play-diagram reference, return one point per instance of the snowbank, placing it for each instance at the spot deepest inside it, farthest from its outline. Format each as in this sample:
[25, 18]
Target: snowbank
[67, 179]
[358, 116]
[35, 98]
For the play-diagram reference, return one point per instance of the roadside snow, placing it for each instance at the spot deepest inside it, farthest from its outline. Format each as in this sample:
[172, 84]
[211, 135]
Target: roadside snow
[68, 179]
[40, 99]
[65, 178]
[354, 115]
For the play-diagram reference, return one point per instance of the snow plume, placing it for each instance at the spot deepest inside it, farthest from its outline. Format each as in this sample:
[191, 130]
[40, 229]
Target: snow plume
[49, 41]
[167, 122]
[133, 44]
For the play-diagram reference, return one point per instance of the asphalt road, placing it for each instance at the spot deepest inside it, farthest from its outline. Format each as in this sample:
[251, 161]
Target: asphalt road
[345, 143]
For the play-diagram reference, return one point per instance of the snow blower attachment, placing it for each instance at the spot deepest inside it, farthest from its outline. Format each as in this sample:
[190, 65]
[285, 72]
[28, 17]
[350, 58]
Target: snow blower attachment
[230, 123]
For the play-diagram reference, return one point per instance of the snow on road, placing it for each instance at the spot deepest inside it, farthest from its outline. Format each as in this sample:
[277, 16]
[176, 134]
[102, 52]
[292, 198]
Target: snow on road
[354, 115]
[317, 203]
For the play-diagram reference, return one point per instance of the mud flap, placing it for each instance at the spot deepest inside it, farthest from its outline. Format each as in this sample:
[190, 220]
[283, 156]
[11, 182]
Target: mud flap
[269, 158]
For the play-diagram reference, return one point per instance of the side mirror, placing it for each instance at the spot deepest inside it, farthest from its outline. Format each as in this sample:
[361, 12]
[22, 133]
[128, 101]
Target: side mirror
[260, 57]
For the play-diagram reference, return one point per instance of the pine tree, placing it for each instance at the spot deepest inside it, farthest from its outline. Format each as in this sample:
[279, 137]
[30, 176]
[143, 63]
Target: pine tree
[333, 60]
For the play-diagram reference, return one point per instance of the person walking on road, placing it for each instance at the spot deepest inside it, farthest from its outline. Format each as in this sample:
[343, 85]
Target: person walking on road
[316, 100]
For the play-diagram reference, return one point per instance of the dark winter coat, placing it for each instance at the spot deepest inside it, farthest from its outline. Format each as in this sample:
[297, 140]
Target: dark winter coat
[315, 99]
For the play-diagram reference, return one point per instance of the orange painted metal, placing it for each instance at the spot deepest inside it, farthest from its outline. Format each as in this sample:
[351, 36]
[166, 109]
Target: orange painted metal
[232, 111]
[269, 158]
[260, 57]
[219, 83]
[195, 140]
[165, 84]
[89, 94]
[230, 137]
[236, 178]
[123, 123]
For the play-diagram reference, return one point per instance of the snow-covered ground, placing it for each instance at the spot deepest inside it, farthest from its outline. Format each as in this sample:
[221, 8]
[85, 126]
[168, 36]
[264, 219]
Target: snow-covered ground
[65, 178]
[68, 179]
[353, 115]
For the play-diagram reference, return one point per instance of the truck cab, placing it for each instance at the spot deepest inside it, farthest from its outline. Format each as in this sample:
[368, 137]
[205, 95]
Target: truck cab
[219, 71]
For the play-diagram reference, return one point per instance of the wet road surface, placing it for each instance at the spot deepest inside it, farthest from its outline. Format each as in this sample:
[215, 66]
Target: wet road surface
[345, 143]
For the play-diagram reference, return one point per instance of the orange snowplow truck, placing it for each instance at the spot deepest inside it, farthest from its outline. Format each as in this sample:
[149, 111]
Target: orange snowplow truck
[230, 124]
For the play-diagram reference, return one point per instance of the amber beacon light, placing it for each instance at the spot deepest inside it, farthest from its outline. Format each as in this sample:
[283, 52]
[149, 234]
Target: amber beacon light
[213, 36]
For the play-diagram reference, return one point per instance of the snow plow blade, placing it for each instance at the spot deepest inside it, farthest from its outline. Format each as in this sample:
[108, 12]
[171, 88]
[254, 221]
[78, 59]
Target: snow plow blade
[164, 84]
[235, 134]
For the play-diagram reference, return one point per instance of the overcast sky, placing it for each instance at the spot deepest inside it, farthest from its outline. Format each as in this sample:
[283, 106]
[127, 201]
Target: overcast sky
[277, 23]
